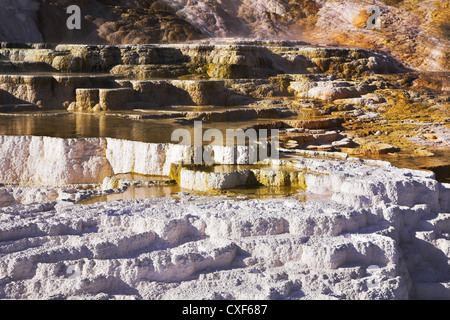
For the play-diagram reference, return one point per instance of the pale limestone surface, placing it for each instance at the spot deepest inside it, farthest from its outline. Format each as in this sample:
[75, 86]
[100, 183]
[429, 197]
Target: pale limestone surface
[169, 249]
[46, 161]
[327, 90]
[189, 247]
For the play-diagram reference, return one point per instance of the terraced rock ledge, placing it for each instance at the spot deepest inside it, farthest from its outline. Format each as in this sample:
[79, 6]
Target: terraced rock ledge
[367, 231]
[97, 202]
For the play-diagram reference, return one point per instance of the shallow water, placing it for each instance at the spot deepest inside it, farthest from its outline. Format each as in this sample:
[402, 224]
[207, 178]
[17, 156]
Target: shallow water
[112, 125]
[63, 124]
[141, 192]
[136, 192]
[79, 125]
[171, 190]
[439, 163]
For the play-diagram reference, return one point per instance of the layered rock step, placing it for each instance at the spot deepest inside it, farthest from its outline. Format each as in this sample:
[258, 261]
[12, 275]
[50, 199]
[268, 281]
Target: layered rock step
[173, 61]
[311, 134]
[101, 99]
[84, 92]
[381, 232]
[102, 158]
[262, 79]
[285, 71]
[48, 91]
[7, 66]
[182, 92]
[222, 177]
[257, 59]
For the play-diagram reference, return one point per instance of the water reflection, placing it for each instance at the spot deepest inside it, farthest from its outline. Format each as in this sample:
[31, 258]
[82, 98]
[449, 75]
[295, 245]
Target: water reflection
[86, 125]
[81, 125]
[136, 192]
[439, 163]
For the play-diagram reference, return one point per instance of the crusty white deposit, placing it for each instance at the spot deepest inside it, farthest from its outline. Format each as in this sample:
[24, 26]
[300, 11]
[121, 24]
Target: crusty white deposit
[379, 232]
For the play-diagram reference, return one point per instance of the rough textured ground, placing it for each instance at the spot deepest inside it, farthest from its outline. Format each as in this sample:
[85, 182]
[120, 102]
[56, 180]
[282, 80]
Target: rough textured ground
[351, 100]
[361, 229]
[140, 21]
[378, 232]
[416, 32]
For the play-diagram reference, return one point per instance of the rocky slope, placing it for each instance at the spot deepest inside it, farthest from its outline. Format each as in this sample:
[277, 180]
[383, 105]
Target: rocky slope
[413, 31]
[140, 21]
[416, 32]
[345, 228]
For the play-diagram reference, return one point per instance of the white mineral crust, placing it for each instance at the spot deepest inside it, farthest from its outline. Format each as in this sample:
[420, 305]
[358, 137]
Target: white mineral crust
[378, 232]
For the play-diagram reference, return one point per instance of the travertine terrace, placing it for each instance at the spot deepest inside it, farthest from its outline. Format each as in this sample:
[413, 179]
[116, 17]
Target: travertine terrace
[347, 227]
[357, 214]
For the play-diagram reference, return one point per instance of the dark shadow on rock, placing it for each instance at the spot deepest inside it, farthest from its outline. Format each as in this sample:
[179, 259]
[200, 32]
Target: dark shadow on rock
[9, 103]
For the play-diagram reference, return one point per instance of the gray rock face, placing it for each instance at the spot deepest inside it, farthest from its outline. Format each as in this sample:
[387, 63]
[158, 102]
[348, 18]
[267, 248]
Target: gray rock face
[18, 21]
